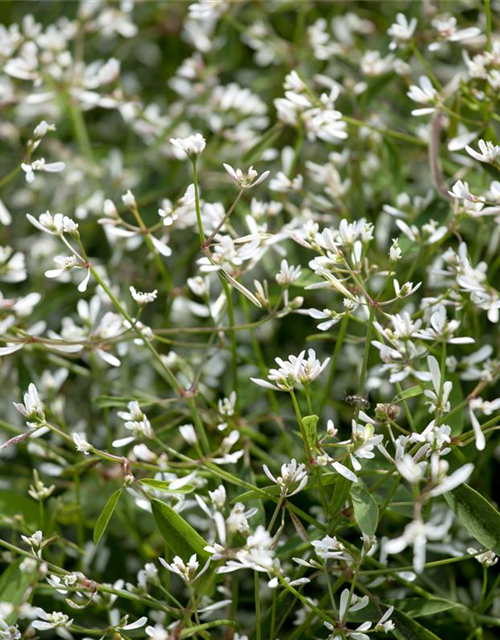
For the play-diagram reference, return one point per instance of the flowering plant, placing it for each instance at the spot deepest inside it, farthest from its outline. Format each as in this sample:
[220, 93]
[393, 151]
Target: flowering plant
[249, 320]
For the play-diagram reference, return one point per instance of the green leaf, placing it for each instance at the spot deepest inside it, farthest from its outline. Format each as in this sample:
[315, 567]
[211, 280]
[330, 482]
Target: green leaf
[179, 535]
[14, 503]
[104, 402]
[420, 607]
[13, 586]
[310, 427]
[267, 140]
[411, 392]
[103, 520]
[340, 494]
[199, 628]
[161, 485]
[365, 510]
[477, 515]
[409, 629]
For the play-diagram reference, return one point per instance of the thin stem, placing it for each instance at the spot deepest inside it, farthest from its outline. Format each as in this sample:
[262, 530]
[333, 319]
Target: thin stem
[487, 13]
[258, 630]
[333, 364]
[210, 238]
[197, 203]
[301, 424]
[234, 345]
[366, 355]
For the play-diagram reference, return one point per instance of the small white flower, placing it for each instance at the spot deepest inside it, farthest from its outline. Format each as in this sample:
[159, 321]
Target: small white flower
[287, 274]
[188, 572]
[81, 443]
[486, 558]
[423, 94]
[41, 165]
[192, 146]
[188, 433]
[42, 128]
[143, 298]
[50, 620]
[251, 179]
[489, 152]
[401, 31]
[129, 200]
[291, 474]
[32, 409]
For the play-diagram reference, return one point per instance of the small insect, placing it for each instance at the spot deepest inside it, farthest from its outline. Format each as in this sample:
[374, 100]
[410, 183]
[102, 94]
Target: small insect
[357, 401]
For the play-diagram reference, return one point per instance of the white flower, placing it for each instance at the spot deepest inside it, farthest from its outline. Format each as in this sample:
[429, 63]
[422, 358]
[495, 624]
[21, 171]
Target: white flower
[32, 409]
[158, 632]
[67, 263]
[446, 26]
[191, 146]
[227, 405]
[55, 225]
[401, 31]
[129, 200]
[423, 94]
[329, 316]
[8, 632]
[291, 473]
[349, 604]
[188, 433]
[295, 370]
[50, 620]
[251, 179]
[489, 152]
[416, 535]
[81, 443]
[143, 298]
[287, 274]
[41, 165]
[330, 548]
[125, 625]
[135, 421]
[486, 558]
[42, 128]
[385, 624]
[188, 572]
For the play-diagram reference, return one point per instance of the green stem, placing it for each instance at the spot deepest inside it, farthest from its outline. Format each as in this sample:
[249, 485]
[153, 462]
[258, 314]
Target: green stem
[234, 346]
[333, 364]
[301, 424]
[258, 630]
[80, 130]
[366, 355]
[487, 12]
[12, 174]
[197, 202]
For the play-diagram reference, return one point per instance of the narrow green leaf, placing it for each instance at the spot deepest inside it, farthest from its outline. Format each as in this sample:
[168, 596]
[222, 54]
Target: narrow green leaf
[420, 607]
[104, 402]
[103, 520]
[14, 584]
[411, 392]
[179, 535]
[409, 629]
[365, 510]
[477, 515]
[192, 631]
[161, 485]
[310, 427]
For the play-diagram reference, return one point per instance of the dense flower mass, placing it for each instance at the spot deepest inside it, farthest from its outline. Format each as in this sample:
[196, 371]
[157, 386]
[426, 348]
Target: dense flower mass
[249, 319]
